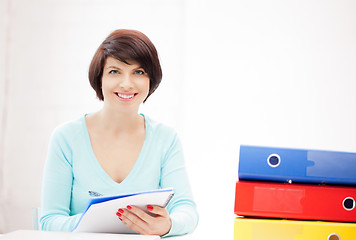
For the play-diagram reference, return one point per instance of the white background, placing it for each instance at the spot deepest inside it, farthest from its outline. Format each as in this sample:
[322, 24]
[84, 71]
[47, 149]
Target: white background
[274, 73]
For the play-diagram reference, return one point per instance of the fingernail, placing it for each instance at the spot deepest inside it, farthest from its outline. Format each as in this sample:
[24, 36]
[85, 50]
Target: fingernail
[149, 208]
[121, 211]
[120, 219]
[129, 207]
[118, 214]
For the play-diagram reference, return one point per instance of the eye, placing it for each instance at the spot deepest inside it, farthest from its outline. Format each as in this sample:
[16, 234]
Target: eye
[113, 72]
[140, 72]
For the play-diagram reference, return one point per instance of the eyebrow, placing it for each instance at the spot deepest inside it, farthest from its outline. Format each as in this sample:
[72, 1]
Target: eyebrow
[113, 67]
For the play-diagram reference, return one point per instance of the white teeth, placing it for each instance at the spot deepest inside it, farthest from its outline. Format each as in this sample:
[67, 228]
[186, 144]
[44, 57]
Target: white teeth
[125, 96]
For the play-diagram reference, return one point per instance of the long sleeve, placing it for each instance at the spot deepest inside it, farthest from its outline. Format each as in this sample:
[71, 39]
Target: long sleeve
[72, 170]
[182, 208]
[57, 187]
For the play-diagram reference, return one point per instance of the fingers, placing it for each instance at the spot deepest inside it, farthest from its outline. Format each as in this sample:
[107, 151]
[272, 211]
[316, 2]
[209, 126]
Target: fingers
[135, 219]
[160, 211]
[158, 223]
[133, 223]
[139, 213]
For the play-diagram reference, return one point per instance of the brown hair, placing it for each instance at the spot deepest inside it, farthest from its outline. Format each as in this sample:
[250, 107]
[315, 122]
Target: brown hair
[126, 45]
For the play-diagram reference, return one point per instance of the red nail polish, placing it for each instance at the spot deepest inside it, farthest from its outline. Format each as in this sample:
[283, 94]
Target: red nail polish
[120, 219]
[149, 208]
[121, 211]
[129, 207]
[118, 214]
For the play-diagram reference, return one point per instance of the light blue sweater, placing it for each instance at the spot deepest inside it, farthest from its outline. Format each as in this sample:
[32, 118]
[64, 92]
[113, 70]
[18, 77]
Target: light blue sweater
[72, 170]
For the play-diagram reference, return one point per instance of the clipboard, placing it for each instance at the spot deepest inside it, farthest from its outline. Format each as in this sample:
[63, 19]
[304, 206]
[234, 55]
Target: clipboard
[100, 214]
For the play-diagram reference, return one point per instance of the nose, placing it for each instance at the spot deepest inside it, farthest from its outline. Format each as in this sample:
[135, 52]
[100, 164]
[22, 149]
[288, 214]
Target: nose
[126, 82]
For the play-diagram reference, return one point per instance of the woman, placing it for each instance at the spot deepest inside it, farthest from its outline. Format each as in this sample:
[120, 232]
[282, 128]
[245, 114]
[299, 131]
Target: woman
[116, 150]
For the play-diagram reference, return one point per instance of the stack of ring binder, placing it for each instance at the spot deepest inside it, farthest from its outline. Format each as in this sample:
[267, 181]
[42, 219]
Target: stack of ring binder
[296, 194]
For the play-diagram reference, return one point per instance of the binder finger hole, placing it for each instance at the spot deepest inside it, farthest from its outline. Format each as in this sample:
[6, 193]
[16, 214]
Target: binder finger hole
[334, 236]
[348, 203]
[274, 160]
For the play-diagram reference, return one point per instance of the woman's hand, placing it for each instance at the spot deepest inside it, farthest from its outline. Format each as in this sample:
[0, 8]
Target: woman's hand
[159, 223]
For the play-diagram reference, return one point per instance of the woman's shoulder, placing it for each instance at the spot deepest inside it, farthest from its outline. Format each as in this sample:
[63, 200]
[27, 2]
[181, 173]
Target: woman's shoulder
[71, 128]
[161, 134]
[159, 128]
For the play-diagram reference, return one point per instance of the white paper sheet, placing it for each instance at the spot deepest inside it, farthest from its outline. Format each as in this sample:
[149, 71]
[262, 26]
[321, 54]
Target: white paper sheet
[101, 217]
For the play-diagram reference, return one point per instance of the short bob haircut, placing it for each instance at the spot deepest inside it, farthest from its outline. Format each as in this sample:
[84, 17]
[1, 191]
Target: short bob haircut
[126, 45]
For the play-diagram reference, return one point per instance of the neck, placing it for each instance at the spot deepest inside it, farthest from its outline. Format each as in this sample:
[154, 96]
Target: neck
[117, 122]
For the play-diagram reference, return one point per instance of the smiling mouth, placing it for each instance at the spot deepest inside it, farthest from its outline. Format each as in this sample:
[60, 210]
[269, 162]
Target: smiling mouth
[125, 96]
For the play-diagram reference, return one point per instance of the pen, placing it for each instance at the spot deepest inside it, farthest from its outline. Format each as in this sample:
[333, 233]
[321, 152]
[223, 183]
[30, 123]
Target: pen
[94, 194]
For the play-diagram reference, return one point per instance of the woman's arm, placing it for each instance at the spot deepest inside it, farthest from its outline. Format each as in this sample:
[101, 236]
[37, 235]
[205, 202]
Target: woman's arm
[182, 208]
[57, 186]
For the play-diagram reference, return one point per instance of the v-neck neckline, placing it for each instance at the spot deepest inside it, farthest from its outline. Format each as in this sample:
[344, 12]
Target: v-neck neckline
[100, 170]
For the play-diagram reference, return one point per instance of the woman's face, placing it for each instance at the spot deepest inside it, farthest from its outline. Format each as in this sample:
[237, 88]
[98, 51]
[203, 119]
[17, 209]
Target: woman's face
[124, 85]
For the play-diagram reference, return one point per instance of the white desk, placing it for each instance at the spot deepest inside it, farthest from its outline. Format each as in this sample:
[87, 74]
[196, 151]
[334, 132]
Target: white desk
[45, 235]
